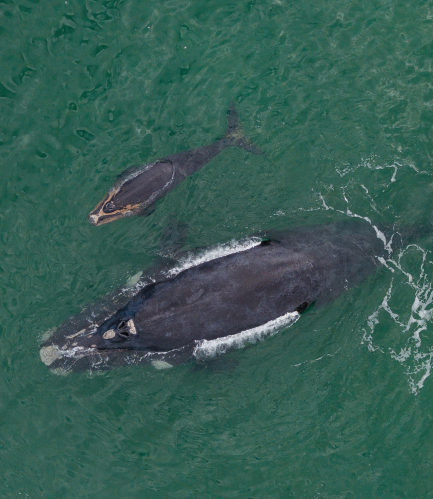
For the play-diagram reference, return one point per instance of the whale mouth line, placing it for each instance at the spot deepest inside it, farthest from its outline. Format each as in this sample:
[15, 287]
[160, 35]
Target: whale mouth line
[100, 219]
[51, 353]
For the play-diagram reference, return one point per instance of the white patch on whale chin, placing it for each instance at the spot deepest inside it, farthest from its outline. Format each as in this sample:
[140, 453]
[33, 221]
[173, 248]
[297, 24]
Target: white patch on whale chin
[50, 354]
[212, 348]
[213, 254]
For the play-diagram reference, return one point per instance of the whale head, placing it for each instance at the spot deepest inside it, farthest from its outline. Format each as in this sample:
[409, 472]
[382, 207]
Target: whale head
[135, 192]
[113, 343]
[113, 207]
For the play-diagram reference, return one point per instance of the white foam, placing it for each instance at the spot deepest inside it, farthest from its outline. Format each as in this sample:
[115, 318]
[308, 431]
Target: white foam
[211, 348]
[139, 281]
[370, 164]
[412, 310]
[212, 254]
[416, 353]
[312, 361]
[380, 235]
[134, 173]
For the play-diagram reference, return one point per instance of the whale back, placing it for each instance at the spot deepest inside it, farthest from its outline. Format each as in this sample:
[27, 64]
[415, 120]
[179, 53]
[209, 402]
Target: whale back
[244, 290]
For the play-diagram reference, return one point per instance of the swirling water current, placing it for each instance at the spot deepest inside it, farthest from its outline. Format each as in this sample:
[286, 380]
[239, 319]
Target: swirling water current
[339, 95]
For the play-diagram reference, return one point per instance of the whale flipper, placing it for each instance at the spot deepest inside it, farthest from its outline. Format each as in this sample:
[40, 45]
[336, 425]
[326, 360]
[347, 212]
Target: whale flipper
[234, 134]
[173, 237]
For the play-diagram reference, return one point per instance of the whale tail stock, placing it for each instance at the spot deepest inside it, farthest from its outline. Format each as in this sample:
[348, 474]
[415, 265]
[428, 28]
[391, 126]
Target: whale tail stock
[234, 134]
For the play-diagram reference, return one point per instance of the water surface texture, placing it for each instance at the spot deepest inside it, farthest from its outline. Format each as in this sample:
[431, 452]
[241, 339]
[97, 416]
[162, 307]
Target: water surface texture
[339, 95]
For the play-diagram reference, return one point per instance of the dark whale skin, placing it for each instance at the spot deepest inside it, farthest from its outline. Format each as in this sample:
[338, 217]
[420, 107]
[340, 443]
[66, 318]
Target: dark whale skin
[234, 293]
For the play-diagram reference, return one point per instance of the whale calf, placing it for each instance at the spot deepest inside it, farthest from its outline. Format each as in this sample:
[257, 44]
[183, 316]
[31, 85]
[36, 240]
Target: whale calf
[217, 299]
[137, 189]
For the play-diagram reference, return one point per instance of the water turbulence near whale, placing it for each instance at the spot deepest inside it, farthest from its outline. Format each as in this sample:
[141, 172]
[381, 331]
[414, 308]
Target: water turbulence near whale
[138, 188]
[216, 300]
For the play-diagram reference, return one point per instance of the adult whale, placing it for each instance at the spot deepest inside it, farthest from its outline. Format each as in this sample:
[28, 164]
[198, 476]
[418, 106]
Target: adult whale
[168, 320]
[137, 189]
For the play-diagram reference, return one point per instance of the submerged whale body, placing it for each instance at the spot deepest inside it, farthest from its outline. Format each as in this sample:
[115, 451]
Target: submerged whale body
[167, 320]
[137, 189]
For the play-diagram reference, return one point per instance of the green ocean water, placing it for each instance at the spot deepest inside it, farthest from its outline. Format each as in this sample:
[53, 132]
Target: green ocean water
[339, 94]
